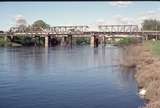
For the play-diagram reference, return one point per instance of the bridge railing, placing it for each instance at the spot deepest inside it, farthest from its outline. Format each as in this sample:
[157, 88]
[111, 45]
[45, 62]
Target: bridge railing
[118, 28]
[83, 29]
[67, 29]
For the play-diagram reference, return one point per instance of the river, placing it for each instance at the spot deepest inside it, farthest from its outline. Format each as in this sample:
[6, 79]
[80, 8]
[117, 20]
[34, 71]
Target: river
[58, 77]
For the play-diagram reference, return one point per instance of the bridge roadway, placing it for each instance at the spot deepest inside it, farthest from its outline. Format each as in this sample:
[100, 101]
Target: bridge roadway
[82, 31]
[142, 33]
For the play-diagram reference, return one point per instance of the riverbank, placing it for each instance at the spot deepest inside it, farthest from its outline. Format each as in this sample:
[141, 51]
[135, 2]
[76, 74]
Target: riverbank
[146, 58]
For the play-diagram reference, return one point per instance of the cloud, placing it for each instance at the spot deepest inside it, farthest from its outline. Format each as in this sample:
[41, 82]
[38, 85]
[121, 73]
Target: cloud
[149, 15]
[100, 21]
[20, 20]
[120, 3]
[121, 20]
[134, 20]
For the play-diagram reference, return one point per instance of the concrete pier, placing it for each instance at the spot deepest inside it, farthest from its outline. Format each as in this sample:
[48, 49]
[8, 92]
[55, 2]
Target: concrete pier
[70, 40]
[35, 44]
[46, 41]
[156, 37]
[5, 38]
[146, 37]
[94, 41]
[103, 40]
[63, 41]
[49, 41]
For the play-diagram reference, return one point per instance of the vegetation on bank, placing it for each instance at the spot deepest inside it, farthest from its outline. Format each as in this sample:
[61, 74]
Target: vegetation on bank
[155, 47]
[4, 42]
[145, 56]
[148, 76]
[28, 41]
[82, 41]
[21, 41]
[127, 41]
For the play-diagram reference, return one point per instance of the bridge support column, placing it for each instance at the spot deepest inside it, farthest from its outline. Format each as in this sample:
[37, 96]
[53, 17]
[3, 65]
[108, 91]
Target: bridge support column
[46, 41]
[156, 37]
[146, 37]
[94, 41]
[63, 41]
[103, 40]
[5, 38]
[35, 44]
[49, 41]
[11, 38]
[70, 40]
[39, 41]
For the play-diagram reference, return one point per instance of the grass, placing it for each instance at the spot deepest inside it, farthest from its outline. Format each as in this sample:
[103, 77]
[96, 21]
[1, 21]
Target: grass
[127, 41]
[155, 47]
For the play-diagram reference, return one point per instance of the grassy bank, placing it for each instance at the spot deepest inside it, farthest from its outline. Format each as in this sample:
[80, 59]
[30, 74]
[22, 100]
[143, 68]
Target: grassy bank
[146, 58]
[155, 47]
[127, 41]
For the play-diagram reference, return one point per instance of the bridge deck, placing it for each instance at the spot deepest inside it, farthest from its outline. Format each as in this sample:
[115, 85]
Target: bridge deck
[109, 34]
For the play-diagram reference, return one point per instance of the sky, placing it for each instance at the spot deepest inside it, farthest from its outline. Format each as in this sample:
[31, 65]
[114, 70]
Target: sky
[78, 13]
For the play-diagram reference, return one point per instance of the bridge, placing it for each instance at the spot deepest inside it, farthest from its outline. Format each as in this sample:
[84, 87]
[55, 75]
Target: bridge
[102, 32]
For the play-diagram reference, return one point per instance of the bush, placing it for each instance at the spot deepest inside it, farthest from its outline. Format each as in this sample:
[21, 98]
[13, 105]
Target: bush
[126, 41]
[3, 42]
[82, 41]
[28, 41]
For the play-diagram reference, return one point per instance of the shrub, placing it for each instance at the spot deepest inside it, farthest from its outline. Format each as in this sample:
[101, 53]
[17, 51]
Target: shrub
[125, 41]
[3, 42]
[27, 41]
[81, 41]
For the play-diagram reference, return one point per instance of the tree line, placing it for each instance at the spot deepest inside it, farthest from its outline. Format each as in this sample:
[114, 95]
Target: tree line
[36, 26]
[151, 24]
[147, 24]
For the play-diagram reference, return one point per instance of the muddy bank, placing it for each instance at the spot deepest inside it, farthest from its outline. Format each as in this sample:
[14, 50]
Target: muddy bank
[147, 72]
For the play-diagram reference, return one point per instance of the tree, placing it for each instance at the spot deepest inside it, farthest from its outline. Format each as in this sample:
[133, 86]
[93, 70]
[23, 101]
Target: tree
[40, 24]
[28, 28]
[151, 24]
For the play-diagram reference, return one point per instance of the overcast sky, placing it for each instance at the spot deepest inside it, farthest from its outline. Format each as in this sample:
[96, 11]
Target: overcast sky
[78, 13]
